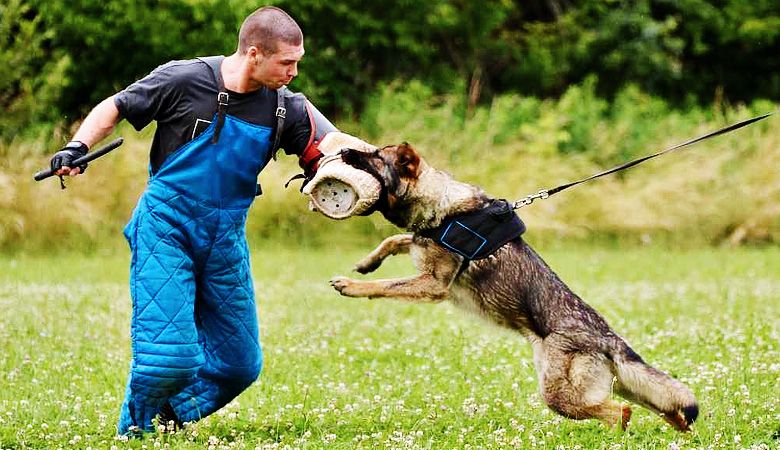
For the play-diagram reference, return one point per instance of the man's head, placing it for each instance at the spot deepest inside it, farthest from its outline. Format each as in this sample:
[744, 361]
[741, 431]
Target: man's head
[273, 43]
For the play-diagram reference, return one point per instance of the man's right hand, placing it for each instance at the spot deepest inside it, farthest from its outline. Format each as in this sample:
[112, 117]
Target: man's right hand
[61, 162]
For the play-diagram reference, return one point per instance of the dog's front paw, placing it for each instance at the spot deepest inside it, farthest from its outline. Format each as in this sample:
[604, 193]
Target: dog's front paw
[345, 286]
[367, 265]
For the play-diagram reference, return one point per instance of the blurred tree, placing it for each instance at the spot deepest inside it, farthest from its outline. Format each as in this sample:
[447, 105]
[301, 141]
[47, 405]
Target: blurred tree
[731, 47]
[686, 49]
[63, 56]
[112, 43]
[31, 78]
[353, 45]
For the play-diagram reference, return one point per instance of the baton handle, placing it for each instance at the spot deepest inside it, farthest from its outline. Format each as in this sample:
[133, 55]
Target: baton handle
[43, 174]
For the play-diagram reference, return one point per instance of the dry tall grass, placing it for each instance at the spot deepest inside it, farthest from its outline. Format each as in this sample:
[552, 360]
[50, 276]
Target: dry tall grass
[722, 191]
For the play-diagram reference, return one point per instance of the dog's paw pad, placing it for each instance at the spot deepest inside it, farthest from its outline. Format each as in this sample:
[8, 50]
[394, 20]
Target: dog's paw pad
[341, 284]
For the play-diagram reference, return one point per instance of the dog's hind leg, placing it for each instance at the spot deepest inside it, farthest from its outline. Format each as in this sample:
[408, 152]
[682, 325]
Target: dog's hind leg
[653, 389]
[394, 245]
[578, 384]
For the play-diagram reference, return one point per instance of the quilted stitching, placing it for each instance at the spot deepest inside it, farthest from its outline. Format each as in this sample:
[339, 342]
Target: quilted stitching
[194, 327]
[167, 251]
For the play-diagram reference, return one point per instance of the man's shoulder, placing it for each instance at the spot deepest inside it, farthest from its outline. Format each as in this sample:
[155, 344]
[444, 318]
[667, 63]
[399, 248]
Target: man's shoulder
[180, 73]
[291, 96]
[182, 69]
[294, 102]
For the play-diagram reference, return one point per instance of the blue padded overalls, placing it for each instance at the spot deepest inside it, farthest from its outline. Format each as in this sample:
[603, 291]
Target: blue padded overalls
[194, 327]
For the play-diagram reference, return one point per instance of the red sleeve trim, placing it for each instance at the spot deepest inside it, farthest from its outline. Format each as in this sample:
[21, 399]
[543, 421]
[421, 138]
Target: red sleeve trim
[310, 157]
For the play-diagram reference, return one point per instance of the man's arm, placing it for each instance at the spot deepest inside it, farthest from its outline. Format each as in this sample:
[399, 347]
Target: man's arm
[98, 124]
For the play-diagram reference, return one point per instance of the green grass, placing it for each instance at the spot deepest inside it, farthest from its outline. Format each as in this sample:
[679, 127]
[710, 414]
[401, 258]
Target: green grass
[349, 373]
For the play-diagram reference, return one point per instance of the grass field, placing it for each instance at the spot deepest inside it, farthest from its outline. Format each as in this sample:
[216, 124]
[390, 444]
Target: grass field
[347, 373]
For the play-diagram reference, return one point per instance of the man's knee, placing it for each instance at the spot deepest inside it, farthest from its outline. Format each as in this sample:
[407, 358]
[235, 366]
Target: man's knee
[162, 376]
[243, 376]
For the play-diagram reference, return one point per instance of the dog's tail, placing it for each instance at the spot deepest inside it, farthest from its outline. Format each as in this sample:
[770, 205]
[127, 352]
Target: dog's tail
[653, 389]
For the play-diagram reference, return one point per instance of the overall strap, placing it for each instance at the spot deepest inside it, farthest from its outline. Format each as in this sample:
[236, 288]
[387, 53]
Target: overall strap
[215, 62]
[281, 114]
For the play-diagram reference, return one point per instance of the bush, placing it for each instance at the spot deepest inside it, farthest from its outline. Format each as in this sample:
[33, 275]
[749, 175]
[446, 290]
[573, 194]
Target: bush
[31, 78]
[723, 190]
[62, 57]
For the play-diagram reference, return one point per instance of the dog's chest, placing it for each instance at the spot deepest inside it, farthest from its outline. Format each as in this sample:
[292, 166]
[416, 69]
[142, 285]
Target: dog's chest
[464, 297]
[487, 289]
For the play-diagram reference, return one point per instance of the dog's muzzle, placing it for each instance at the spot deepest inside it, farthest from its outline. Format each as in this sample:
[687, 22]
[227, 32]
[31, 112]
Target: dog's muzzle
[339, 190]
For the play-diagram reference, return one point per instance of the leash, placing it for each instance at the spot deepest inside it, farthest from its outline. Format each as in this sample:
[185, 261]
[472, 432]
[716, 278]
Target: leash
[546, 193]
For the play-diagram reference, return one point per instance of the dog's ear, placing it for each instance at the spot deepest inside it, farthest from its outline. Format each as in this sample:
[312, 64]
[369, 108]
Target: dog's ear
[408, 160]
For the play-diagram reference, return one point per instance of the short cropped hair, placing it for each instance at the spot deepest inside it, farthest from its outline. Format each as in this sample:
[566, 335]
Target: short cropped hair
[265, 28]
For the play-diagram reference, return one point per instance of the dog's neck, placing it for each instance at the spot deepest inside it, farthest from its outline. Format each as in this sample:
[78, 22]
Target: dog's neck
[437, 196]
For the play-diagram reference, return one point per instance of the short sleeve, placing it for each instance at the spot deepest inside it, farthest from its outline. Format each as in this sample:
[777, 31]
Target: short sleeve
[301, 129]
[150, 98]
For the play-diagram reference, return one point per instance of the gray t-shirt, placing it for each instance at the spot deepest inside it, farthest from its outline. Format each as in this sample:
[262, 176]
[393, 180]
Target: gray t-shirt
[182, 97]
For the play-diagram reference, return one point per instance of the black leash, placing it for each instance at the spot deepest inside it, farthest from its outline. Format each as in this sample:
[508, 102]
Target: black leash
[545, 193]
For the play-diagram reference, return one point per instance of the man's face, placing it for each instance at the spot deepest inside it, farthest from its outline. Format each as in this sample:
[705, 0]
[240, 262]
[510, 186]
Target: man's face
[278, 69]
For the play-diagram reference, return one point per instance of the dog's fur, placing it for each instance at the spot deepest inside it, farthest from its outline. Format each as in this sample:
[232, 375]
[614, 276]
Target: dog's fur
[580, 361]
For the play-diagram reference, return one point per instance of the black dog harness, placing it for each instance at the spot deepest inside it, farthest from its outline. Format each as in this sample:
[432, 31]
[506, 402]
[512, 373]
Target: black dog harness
[474, 235]
[478, 234]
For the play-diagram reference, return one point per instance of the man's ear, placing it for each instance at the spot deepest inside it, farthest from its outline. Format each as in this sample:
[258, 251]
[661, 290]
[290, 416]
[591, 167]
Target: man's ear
[256, 53]
[408, 161]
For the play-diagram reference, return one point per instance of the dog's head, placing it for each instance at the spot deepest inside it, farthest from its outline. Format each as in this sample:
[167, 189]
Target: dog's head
[414, 196]
[397, 168]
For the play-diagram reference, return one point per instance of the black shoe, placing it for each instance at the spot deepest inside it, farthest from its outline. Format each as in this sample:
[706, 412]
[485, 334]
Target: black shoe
[167, 418]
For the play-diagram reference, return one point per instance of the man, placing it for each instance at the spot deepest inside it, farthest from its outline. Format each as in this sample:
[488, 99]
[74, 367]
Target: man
[194, 327]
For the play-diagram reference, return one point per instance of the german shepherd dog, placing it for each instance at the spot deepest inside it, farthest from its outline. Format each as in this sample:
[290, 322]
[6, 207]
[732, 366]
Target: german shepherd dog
[579, 359]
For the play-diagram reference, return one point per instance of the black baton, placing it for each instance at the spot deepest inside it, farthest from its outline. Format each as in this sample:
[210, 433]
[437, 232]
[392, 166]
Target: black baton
[43, 174]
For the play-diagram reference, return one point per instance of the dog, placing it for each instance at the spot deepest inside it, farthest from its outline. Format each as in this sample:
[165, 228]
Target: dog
[580, 361]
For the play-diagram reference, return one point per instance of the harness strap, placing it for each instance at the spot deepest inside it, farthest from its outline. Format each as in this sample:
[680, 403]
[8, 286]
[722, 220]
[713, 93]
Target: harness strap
[281, 114]
[477, 234]
[222, 102]
[215, 63]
